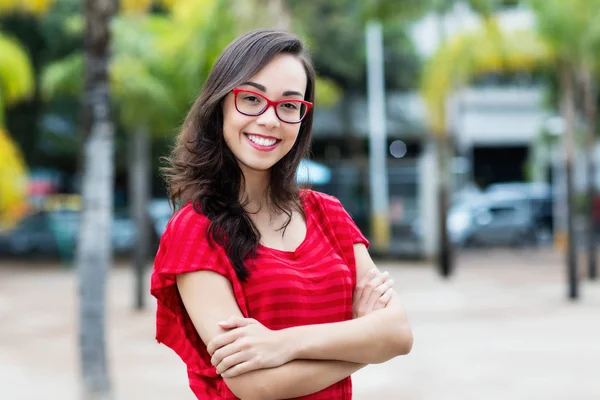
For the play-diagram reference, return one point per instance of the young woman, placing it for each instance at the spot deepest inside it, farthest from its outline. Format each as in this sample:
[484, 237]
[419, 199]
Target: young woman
[265, 291]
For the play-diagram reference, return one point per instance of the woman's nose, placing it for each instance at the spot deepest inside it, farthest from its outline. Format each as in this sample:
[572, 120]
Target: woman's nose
[269, 118]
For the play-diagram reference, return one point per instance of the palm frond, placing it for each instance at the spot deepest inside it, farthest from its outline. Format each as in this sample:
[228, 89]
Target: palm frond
[37, 7]
[141, 97]
[63, 77]
[472, 54]
[13, 181]
[17, 80]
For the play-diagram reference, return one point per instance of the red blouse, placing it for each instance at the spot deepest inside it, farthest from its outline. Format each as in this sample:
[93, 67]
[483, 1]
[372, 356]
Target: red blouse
[311, 285]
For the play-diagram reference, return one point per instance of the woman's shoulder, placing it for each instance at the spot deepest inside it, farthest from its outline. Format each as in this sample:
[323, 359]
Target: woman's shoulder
[186, 244]
[185, 218]
[319, 197]
[321, 200]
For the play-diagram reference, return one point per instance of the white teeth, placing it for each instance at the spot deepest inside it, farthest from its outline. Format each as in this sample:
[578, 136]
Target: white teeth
[262, 141]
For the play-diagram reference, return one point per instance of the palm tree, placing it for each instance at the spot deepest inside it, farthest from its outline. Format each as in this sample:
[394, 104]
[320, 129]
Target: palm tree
[153, 81]
[588, 72]
[456, 63]
[94, 252]
[16, 83]
[571, 29]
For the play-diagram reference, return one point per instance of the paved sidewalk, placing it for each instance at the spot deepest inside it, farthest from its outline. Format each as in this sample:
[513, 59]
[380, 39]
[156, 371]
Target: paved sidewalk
[501, 328]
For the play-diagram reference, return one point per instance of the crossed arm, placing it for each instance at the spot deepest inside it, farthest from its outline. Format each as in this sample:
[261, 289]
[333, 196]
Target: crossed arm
[258, 363]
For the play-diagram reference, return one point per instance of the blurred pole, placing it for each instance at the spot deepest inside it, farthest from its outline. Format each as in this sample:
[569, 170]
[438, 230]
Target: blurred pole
[281, 13]
[377, 138]
[568, 110]
[444, 250]
[139, 192]
[590, 96]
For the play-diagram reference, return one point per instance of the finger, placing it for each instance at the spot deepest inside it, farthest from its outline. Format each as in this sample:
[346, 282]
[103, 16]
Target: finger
[220, 354]
[240, 369]
[236, 322]
[383, 301]
[221, 340]
[377, 292]
[226, 325]
[366, 285]
[366, 278]
[372, 273]
[364, 289]
[231, 361]
[373, 284]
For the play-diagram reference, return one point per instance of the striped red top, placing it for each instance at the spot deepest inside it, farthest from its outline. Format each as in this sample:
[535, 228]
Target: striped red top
[311, 285]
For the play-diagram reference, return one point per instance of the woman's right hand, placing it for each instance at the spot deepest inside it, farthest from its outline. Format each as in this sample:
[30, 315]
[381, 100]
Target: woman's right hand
[373, 292]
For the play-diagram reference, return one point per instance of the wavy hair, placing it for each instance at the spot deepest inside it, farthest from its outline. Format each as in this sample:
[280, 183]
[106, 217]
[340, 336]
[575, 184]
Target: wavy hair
[202, 169]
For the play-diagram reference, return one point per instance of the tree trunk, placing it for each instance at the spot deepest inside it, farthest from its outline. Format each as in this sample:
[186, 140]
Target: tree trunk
[568, 111]
[590, 96]
[444, 252]
[94, 250]
[139, 193]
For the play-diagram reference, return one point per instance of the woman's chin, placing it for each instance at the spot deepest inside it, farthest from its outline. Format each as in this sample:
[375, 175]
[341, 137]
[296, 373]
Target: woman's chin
[258, 165]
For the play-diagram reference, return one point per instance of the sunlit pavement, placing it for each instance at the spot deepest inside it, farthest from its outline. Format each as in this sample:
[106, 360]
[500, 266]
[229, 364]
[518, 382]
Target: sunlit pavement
[500, 328]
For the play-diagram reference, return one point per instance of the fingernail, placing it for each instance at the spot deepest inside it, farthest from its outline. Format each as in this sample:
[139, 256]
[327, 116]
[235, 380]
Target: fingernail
[391, 281]
[386, 273]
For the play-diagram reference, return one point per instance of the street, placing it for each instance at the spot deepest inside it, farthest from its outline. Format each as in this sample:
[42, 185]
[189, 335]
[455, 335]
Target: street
[501, 328]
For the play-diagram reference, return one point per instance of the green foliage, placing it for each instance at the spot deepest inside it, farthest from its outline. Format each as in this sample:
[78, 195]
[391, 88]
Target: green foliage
[17, 80]
[141, 87]
[327, 93]
[159, 63]
[334, 31]
[390, 10]
[571, 28]
[63, 77]
[141, 96]
[62, 29]
[471, 54]
[198, 33]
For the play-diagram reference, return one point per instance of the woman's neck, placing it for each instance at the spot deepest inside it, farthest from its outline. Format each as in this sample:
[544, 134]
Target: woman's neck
[255, 191]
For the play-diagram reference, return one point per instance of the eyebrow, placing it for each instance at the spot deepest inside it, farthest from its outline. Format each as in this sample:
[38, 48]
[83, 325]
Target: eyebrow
[264, 89]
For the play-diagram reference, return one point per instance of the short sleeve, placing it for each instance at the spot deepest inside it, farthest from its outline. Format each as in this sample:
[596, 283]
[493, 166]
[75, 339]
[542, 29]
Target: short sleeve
[344, 231]
[184, 247]
[343, 218]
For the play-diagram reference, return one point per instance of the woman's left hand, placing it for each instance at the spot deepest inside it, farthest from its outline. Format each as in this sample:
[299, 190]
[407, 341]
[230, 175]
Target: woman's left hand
[247, 346]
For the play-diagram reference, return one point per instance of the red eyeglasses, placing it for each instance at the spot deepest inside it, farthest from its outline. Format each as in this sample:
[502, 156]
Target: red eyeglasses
[251, 103]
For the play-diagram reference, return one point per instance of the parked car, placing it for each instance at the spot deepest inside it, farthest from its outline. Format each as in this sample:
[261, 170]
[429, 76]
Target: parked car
[56, 233]
[160, 213]
[540, 197]
[501, 218]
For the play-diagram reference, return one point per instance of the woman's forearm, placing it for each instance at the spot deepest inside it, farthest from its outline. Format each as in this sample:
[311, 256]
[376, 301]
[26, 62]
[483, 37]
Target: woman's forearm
[294, 379]
[372, 339]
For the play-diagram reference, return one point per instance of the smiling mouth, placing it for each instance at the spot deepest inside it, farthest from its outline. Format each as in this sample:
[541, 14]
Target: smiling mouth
[262, 141]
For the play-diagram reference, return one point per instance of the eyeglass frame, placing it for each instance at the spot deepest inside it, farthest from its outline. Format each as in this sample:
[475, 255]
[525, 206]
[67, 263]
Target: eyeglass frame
[270, 103]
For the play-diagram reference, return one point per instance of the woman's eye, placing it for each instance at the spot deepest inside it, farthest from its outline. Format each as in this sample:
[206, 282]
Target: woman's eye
[290, 106]
[251, 98]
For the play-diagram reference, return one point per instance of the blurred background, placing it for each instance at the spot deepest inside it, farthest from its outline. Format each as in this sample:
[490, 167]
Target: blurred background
[461, 135]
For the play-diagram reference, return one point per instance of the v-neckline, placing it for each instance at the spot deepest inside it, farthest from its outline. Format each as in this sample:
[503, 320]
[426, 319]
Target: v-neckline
[292, 253]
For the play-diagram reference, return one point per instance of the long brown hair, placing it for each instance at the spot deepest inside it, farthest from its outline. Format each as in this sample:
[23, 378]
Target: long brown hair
[203, 170]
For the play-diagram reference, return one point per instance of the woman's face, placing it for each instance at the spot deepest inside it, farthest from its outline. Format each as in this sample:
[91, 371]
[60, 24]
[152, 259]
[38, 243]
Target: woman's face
[259, 142]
